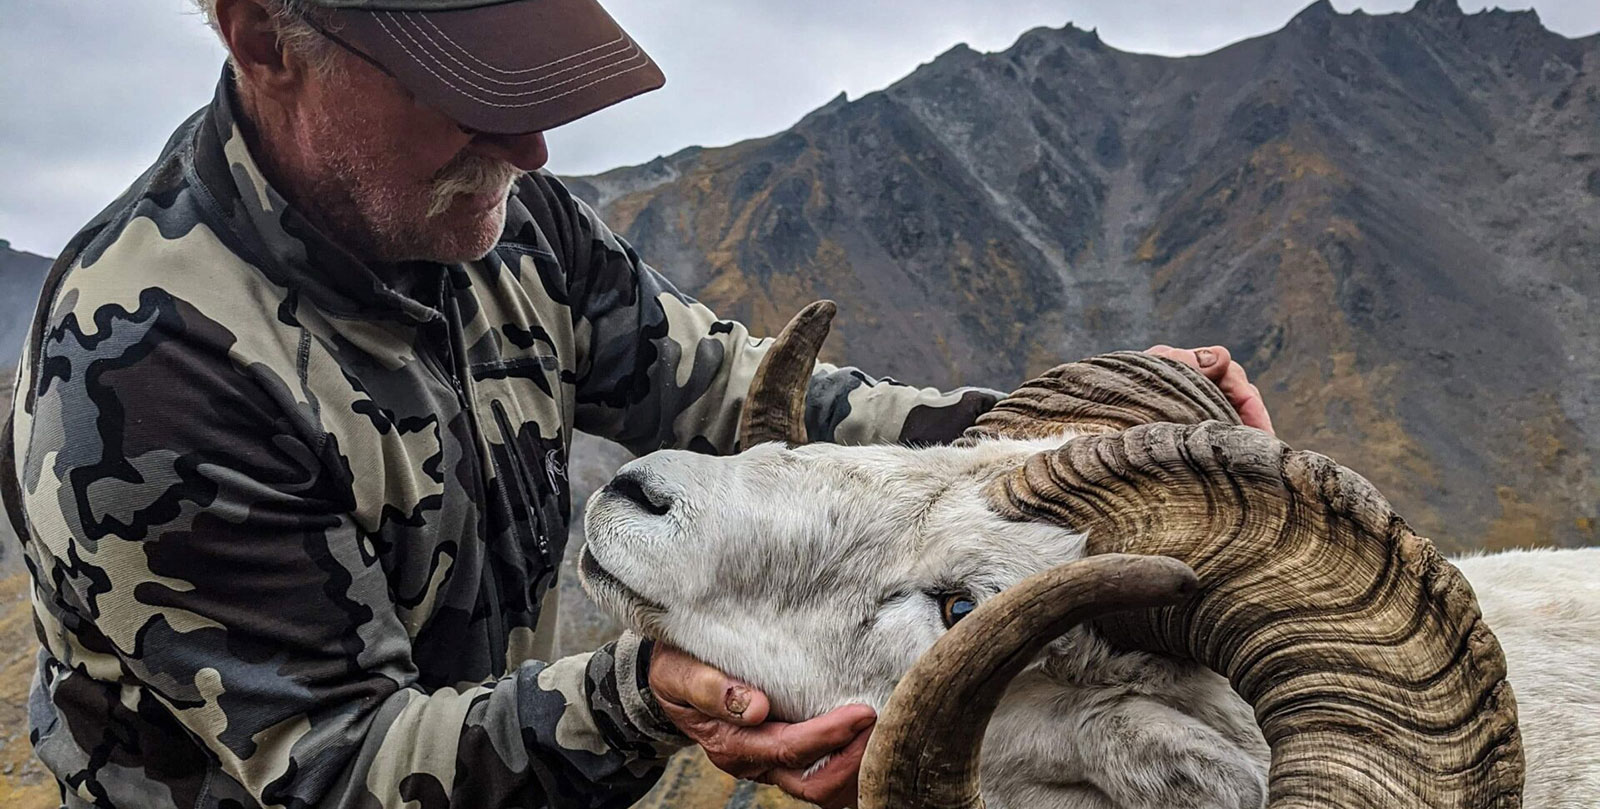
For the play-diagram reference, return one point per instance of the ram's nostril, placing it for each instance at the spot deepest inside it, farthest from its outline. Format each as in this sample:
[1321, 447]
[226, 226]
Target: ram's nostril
[634, 489]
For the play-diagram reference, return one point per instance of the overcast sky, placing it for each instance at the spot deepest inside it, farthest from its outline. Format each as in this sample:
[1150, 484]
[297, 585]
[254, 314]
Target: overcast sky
[90, 89]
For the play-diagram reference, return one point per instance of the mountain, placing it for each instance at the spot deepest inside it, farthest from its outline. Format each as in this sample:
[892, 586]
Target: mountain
[21, 278]
[1393, 221]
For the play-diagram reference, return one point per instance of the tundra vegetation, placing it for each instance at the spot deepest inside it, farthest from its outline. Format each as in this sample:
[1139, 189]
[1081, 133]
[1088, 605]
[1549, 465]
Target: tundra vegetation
[1109, 594]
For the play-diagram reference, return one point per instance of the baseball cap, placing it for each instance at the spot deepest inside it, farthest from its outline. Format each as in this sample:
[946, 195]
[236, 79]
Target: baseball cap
[506, 67]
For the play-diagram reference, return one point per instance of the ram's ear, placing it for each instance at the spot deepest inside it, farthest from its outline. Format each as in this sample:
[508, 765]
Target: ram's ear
[1105, 394]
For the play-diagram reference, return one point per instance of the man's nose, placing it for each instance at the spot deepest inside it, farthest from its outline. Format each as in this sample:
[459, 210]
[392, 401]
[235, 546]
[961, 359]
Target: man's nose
[526, 152]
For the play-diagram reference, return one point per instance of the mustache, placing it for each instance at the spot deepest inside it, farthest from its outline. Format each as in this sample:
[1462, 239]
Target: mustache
[469, 174]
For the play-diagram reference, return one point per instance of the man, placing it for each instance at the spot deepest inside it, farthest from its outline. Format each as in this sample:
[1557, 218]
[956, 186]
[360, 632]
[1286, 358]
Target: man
[291, 434]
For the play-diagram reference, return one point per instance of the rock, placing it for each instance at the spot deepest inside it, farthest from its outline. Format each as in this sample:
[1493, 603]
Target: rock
[1438, 8]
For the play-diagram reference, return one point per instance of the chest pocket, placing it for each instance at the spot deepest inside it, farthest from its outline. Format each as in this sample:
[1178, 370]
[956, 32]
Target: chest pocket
[517, 340]
[528, 454]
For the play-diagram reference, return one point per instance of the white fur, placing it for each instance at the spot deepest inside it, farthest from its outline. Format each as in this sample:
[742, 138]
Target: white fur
[813, 572]
[1544, 607]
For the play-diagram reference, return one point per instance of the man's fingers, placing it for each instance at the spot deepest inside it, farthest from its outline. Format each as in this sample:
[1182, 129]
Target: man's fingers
[1235, 384]
[727, 718]
[1213, 361]
[750, 752]
[1217, 364]
[799, 745]
[688, 683]
[1253, 412]
[1245, 398]
[831, 786]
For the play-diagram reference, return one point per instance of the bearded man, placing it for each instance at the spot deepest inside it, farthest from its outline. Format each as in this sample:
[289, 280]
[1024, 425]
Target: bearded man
[291, 432]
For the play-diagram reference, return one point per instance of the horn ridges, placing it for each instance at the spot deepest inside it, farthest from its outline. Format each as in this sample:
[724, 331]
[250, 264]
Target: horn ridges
[1363, 651]
[775, 407]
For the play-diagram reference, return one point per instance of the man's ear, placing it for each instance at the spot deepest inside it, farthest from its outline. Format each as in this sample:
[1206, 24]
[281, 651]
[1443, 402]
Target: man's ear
[252, 38]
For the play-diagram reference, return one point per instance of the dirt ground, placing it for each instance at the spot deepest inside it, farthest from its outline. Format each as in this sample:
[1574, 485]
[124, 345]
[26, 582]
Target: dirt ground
[24, 784]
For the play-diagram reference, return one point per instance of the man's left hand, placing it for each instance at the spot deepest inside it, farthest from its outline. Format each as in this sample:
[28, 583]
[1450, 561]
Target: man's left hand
[1218, 366]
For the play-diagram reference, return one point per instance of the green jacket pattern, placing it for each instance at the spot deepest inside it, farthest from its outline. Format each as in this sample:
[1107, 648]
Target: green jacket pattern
[290, 517]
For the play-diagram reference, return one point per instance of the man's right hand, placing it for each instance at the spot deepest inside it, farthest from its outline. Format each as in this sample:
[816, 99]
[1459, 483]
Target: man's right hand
[728, 719]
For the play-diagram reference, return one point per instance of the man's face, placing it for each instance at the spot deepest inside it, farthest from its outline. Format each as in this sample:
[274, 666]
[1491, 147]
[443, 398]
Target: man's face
[394, 180]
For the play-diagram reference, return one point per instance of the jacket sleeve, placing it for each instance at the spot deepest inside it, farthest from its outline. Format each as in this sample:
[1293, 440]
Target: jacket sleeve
[658, 369]
[198, 565]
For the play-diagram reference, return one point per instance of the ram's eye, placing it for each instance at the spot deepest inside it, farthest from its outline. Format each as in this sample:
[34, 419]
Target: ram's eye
[955, 606]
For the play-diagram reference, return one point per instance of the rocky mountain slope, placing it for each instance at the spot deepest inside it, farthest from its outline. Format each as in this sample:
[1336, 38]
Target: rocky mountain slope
[1393, 220]
[23, 782]
[21, 276]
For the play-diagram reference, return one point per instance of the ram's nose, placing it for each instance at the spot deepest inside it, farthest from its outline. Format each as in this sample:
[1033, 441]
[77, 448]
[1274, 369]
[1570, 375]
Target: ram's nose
[641, 489]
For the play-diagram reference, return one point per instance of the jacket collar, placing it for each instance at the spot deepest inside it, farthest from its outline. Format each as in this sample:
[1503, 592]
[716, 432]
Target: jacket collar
[283, 243]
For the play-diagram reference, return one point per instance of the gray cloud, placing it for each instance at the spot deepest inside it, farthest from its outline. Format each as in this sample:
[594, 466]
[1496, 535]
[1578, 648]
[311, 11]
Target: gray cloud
[93, 88]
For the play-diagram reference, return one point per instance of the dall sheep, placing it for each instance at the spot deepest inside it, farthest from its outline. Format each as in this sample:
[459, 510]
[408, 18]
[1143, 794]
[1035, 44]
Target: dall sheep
[1318, 654]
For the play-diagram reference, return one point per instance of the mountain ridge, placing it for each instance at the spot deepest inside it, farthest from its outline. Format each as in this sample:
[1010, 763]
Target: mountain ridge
[1369, 209]
[1316, 12]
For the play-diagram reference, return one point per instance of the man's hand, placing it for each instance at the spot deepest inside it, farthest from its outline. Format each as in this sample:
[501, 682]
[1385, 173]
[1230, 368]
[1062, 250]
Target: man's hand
[1218, 366]
[728, 719]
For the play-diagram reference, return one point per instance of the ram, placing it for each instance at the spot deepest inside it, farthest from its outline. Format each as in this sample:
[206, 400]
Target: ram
[1109, 594]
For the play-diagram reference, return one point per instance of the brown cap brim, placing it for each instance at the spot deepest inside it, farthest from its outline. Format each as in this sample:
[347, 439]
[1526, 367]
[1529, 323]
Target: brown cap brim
[510, 68]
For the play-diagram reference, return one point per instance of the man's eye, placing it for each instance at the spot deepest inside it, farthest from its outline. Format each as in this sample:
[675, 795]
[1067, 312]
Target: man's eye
[955, 606]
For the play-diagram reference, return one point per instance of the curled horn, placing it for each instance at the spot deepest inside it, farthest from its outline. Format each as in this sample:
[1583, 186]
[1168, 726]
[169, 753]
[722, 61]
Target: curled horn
[1103, 394]
[924, 752]
[1363, 652]
[775, 408]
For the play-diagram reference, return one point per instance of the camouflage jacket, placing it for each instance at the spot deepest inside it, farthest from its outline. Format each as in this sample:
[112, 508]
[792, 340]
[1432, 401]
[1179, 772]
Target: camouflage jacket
[290, 517]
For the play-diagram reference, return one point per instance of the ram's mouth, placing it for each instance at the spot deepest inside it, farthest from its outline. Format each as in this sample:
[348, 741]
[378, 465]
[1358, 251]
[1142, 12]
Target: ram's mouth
[623, 601]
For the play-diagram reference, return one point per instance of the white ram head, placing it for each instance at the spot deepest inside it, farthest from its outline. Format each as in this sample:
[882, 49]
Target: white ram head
[823, 574]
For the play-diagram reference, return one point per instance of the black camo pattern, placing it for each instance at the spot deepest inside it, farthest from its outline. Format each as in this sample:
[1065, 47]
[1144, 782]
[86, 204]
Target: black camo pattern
[290, 518]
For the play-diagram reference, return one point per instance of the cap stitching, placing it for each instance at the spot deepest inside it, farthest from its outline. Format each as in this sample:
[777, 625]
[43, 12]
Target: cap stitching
[439, 49]
[626, 49]
[486, 102]
[621, 35]
[469, 83]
